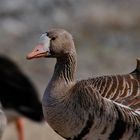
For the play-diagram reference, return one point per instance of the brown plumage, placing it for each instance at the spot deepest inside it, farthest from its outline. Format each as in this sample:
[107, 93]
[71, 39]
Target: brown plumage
[85, 110]
[124, 89]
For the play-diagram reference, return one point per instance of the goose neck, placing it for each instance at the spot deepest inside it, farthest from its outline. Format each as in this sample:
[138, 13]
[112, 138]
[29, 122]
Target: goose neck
[65, 68]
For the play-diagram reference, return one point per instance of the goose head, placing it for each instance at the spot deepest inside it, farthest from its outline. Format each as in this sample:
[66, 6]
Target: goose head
[54, 43]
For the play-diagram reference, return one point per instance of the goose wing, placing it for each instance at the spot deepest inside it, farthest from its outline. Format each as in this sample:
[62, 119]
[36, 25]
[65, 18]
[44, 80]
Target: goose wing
[101, 112]
[124, 89]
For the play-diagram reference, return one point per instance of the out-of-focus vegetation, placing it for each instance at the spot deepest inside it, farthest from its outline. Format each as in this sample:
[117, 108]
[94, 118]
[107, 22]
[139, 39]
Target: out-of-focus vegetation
[106, 34]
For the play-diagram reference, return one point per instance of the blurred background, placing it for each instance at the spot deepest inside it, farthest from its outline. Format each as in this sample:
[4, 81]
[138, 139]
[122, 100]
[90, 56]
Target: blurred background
[106, 35]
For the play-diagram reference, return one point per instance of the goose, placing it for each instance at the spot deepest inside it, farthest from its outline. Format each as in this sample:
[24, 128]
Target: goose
[3, 121]
[99, 108]
[18, 96]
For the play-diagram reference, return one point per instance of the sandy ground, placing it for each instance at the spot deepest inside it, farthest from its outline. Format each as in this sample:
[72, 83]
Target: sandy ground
[33, 131]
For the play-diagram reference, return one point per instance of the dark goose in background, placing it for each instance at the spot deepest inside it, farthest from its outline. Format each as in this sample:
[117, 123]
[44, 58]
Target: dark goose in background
[18, 95]
[100, 108]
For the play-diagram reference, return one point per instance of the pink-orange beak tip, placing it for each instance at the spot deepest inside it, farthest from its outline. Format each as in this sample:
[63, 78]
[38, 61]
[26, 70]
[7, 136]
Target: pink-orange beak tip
[29, 56]
[37, 52]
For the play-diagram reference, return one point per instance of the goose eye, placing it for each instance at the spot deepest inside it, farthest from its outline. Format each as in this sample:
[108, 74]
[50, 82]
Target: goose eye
[53, 38]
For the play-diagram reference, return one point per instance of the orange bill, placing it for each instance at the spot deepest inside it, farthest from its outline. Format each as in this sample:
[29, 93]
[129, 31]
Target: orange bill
[39, 51]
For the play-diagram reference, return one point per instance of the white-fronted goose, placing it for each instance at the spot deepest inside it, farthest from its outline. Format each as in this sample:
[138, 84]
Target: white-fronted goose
[85, 110]
[18, 95]
[2, 122]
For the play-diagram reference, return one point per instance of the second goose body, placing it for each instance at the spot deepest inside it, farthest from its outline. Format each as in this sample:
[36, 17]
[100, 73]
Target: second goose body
[18, 97]
[85, 110]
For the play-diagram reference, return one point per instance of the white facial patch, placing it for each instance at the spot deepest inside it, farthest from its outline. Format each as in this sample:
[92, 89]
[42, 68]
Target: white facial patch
[45, 41]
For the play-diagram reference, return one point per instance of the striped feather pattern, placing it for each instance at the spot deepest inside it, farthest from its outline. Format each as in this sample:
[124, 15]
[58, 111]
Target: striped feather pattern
[85, 115]
[123, 89]
[107, 120]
